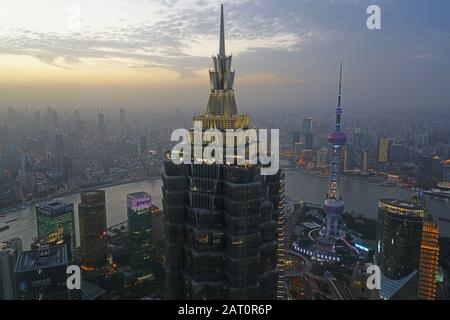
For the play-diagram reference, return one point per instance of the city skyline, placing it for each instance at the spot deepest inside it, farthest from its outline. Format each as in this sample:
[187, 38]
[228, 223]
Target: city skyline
[138, 52]
[116, 201]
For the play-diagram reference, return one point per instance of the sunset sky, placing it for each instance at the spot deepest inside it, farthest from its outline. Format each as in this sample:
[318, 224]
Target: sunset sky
[155, 53]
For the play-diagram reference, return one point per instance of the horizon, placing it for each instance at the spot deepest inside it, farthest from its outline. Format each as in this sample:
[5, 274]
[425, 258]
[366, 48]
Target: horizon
[140, 53]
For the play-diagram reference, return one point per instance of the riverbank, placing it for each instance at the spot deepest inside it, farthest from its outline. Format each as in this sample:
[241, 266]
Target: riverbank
[22, 206]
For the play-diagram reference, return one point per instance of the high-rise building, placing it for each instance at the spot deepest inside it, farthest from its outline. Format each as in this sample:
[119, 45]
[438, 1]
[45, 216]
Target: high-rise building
[27, 174]
[139, 208]
[407, 241]
[93, 235]
[143, 145]
[383, 149]
[424, 176]
[307, 133]
[365, 162]
[307, 125]
[60, 153]
[56, 224]
[296, 137]
[42, 274]
[429, 260]
[101, 124]
[9, 252]
[122, 117]
[399, 236]
[221, 220]
[333, 204]
[322, 158]
[7, 263]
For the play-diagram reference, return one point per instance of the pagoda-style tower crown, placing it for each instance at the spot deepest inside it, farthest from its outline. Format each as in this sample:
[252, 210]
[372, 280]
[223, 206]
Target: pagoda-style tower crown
[221, 112]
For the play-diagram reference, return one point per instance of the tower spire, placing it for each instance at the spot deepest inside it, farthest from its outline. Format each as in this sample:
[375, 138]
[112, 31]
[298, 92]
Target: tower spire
[222, 33]
[340, 87]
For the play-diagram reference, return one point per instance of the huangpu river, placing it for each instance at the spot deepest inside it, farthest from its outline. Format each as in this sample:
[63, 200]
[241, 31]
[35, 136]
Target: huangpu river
[358, 196]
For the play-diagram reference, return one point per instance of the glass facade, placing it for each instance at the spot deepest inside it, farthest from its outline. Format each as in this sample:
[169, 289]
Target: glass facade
[56, 224]
[92, 215]
[221, 220]
[139, 209]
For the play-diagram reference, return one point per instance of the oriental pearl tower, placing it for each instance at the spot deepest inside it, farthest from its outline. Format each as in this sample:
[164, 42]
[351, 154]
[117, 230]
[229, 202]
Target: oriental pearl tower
[333, 204]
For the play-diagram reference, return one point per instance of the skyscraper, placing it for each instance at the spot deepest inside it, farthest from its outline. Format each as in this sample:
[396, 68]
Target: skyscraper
[429, 260]
[122, 117]
[7, 262]
[307, 133]
[407, 239]
[9, 252]
[383, 149]
[56, 223]
[92, 216]
[60, 154]
[139, 209]
[333, 205]
[221, 220]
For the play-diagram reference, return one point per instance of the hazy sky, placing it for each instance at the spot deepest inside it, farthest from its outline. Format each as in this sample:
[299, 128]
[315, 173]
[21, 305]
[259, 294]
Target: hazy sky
[155, 53]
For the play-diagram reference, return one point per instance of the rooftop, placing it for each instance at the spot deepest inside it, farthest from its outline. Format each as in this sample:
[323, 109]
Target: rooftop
[45, 257]
[53, 205]
[138, 195]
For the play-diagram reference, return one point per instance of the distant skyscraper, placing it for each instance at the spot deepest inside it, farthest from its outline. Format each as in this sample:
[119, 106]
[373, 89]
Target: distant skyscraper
[143, 145]
[383, 149]
[322, 158]
[60, 153]
[365, 162]
[296, 137]
[307, 133]
[76, 115]
[333, 205]
[424, 176]
[407, 240]
[41, 274]
[307, 125]
[139, 208]
[93, 235]
[27, 174]
[221, 220]
[56, 224]
[122, 117]
[101, 124]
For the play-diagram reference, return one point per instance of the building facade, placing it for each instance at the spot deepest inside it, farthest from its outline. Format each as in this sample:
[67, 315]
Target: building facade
[93, 235]
[56, 223]
[407, 239]
[41, 274]
[221, 220]
[140, 235]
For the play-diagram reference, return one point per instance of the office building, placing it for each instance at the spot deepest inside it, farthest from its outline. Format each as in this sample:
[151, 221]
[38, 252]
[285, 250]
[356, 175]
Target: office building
[55, 221]
[221, 220]
[429, 260]
[407, 241]
[383, 149]
[9, 252]
[140, 242]
[92, 216]
[41, 274]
